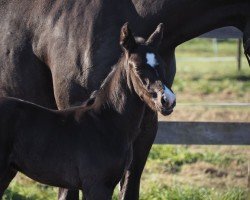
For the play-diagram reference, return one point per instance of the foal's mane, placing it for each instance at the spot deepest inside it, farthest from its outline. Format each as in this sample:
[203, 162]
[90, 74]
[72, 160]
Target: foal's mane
[110, 92]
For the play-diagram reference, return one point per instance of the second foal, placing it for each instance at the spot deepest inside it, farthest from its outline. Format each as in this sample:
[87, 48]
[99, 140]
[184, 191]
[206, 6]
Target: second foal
[86, 147]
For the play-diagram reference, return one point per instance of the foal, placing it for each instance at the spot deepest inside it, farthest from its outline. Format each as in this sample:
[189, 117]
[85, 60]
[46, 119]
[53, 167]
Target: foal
[86, 147]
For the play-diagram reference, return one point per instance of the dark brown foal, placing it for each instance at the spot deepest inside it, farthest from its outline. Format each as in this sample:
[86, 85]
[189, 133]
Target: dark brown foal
[87, 147]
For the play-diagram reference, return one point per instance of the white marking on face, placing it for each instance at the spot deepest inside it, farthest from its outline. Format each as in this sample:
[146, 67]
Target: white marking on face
[169, 95]
[151, 60]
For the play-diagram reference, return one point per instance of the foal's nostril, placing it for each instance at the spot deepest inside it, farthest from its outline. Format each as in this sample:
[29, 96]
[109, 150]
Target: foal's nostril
[164, 101]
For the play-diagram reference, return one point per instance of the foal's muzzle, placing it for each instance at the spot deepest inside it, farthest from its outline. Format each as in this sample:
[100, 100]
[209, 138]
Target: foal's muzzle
[167, 108]
[168, 101]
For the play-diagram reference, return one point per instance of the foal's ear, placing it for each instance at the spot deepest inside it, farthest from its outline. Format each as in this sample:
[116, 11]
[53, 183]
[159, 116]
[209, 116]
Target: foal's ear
[127, 40]
[155, 38]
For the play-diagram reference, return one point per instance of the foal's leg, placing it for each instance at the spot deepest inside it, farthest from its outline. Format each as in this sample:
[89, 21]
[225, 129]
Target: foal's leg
[5, 178]
[130, 184]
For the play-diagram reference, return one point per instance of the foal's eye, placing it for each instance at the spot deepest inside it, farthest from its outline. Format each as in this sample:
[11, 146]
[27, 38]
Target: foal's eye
[153, 94]
[145, 82]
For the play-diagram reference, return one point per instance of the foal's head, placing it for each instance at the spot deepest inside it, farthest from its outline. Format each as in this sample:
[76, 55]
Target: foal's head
[143, 69]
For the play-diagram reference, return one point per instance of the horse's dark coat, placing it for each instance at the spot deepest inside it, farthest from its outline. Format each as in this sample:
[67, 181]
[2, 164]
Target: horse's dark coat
[86, 147]
[56, 52]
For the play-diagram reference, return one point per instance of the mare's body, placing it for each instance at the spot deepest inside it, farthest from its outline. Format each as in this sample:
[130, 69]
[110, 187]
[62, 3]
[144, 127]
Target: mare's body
[55, 53]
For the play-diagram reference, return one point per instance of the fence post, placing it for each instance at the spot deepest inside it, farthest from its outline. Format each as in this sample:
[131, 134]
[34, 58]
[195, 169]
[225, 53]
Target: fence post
[215, 46]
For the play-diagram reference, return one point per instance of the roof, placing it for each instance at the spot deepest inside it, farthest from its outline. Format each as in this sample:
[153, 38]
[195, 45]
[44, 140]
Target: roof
[223, 33]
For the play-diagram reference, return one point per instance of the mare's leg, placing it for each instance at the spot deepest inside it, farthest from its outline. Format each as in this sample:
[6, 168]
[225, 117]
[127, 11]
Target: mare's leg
[5, 178]
[130, 184]
[98, 192]
[68, 194]
[7, 173]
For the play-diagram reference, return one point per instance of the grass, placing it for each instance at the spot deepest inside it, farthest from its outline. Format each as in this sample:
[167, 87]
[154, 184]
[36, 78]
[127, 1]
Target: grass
[176, 156]
[196, 172]
[23, 188]
[163, 192]
[189, 172]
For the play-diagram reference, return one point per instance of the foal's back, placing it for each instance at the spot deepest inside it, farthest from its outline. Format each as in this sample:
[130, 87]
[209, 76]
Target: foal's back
[25, 119]
[37, 138]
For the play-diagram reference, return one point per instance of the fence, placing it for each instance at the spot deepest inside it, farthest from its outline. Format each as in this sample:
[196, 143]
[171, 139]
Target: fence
[204, 133]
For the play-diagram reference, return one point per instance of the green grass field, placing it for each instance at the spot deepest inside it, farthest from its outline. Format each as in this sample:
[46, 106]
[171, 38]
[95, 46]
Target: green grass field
[189, 172]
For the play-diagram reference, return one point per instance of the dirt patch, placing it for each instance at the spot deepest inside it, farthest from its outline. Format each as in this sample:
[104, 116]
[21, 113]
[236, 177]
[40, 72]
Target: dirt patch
[182, 113]
[202, 174]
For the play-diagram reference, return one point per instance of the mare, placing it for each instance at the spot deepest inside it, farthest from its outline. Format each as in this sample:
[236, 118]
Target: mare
[86, 147]
[56, 52]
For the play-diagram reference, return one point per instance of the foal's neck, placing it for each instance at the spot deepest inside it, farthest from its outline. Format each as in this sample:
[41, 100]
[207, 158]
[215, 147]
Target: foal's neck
[118, 103]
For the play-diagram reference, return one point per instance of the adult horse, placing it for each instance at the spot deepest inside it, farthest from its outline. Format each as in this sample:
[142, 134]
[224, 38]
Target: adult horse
[55, 52]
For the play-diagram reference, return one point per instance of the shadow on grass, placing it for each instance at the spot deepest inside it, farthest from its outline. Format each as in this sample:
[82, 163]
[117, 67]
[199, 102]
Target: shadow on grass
[243, 78]
[11, 195]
